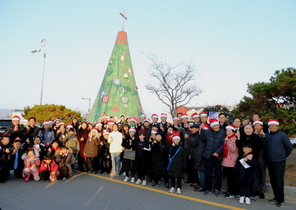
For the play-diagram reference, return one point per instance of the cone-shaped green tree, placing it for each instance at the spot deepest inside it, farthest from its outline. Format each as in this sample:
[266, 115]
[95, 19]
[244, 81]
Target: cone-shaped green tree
[118, 93]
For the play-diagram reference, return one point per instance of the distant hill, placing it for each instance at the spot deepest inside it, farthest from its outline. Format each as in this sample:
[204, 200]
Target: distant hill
[5, 113]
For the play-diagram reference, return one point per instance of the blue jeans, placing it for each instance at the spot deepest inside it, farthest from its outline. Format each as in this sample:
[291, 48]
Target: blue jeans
[115, 158]
[201, 177]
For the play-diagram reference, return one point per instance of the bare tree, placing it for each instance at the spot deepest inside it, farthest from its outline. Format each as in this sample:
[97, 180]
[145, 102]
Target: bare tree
[173, 86]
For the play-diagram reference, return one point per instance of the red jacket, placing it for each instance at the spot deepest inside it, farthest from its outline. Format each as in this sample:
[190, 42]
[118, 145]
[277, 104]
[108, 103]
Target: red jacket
[52, 167]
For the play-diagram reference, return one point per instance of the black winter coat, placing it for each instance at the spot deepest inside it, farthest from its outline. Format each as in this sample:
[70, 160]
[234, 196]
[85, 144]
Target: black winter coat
[242, 173]
[13, 134]
[255, 142]
[30, 133]
[159, 152]
[198, 152]
[178, 164]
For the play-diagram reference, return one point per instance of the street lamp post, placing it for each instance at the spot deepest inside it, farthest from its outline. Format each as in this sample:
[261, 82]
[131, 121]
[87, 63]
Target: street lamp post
[89, 99]
[43, 42]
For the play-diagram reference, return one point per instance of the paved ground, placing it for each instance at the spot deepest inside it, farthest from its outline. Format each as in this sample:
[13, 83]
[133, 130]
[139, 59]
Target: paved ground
[85, 191]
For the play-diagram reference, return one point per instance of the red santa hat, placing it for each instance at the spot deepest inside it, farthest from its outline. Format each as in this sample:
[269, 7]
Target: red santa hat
[232, 127]
[203, 114]
[176, 118]
[273, 122]
[176, 137]
[61, 123]
[105, 132]
[94, 129]
[97, 124]
[257, 122]
[194, 115]
[57, 120]
[46, 123]
[110, 122]
[147, 120]
[213, 122]
[15, 117]
[184, 116]
[143, 116]
[122, 115]
[134, 120]
[206, 126]
[69, 126]
[163, 115]
[132, 129]
[154, 116]
[154, 131]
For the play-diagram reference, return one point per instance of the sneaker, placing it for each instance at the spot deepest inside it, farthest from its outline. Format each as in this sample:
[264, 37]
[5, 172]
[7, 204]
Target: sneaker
[207, 192]
[126, 179]
[253, 198]
[217, 192]
[179, 191]
[272, 201]
[248, 201]
[138, 181]
[89, 172]
[229, 196]
[154, 184]
[133, 180]
[144, 182]
[123, 174]
[64, 179]
[167, 185]
[172, 190]
[278, 204]
[242, 199]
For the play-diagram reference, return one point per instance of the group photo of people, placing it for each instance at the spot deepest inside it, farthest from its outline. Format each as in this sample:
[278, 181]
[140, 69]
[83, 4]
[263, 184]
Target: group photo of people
[193, 150]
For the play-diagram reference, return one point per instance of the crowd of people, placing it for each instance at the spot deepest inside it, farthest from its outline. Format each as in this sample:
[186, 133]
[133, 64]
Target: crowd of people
[153, 151]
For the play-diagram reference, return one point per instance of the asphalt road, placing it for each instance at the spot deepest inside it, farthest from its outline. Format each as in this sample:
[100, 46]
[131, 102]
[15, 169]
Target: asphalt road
[85, 191]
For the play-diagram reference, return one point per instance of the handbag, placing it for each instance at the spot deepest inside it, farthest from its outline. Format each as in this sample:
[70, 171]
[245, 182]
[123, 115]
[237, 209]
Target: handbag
[171, 159]
[129, 154]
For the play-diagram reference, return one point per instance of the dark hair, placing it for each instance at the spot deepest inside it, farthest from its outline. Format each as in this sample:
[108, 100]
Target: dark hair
[222, 114]
[64, 147]
[32, 118]
[30, 150]
[72, 129]
[46, 157]
[158, 134]
[256, 114]
[237, 118]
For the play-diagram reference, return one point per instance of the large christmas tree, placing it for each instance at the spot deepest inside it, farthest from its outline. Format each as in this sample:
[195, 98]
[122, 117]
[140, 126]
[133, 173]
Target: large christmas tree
[118, 93]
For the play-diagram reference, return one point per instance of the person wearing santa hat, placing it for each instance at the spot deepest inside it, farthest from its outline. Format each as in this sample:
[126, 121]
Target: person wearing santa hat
[75, 124]
[104, 158]
[16, 129]
[163, 125]
[128, 163]
[230, 154]
[278, 147]
[203, 120]
[46, 134]
[82, 136]
[196, 118]
[115, 140]
[214, 139]
[257, 117]
[176, 123]
[177, 164]
[184, 122]
[154, 118]
[121, 122]
[260, 170]
[141, 123]
[61, 134]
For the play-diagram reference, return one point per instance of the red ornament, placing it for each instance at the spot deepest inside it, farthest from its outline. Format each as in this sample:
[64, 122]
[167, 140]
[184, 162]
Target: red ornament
[105, 99]
[137, 87]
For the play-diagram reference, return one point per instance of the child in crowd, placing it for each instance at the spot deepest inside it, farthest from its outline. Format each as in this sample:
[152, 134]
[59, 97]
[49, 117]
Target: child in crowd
[245, 172]
[5, 157]
[159, 153]
[18, 163]
[65, 160]
[48, 169]
[128, 161]
[31, 167]
[177, 165]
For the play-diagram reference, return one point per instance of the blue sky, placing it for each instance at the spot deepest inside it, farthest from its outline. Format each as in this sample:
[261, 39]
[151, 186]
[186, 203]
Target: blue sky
[231, 43]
